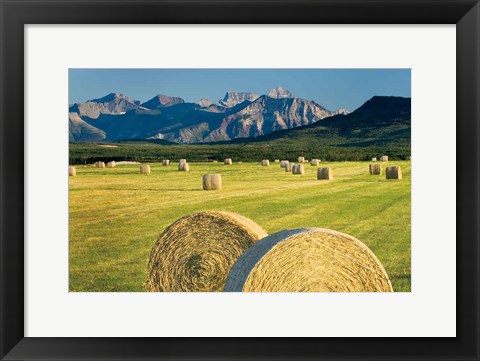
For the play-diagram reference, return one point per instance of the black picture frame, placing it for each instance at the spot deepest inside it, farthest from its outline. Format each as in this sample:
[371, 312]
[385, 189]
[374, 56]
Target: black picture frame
[15, 14]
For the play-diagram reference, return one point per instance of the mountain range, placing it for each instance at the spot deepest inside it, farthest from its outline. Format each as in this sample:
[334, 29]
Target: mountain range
[238, 115]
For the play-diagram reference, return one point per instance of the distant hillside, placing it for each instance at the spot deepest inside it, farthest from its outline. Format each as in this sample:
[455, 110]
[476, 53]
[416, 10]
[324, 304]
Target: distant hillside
[237, 115]
[380, 121]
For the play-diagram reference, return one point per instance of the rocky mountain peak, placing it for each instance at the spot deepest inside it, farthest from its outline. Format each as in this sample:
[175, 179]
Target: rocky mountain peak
[233, 98]
[161, 100]
[280, 92]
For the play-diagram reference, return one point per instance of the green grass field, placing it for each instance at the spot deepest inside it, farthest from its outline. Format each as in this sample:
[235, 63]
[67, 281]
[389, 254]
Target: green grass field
[116, 214]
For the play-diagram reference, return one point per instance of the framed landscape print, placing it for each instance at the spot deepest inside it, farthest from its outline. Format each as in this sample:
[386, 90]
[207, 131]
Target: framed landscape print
[239, 188]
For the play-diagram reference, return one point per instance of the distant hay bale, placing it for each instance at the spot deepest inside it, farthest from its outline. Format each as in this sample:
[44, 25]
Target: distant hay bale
[289, 166]
[375, 169]
[184, 167]
[212, 182]
[197, 251]
[315, 162]
[227, 161]
[308, 260]
[72, 172]
[283, 163]
[182, 161]
[384, 158]
[301, 159]
[325, 173]
[145, 169]
[276, 161]
[99, 164]
[394, 172]
[111, 164]
[215, 161]
[166, 162]
[265, 163]
[374, 159]
[298, 169]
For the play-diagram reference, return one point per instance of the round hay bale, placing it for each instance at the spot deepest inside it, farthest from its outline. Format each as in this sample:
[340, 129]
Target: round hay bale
[298, 169]
[184, 167]
[301, 159]
[227, 161]
[265, 163]
[215, 161]
[276, 161]
[325, 173]
[315, 162]
[166, 162]
[384, 158]
[374, 159]
[212, 182]
[72, 172]
[308, 260]
[289, 166]
[283, 163]
[375, 169]
[197, 251]
[394, 172]
[145, 169]
[182, 161]
[99, 164]
[111, 164]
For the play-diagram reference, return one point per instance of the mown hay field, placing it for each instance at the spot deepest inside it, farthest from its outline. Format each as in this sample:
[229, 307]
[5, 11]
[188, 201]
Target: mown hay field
[116, 214]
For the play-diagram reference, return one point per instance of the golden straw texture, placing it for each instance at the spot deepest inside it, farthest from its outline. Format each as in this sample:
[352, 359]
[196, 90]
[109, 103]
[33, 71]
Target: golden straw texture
[72, 171]
[394, 172]
[324, 173]
[212, 182]
[301, 159]
[375, 168]
[315, 162]
[265, 163]
[289, 166]
[283, 163]
[185, 167]
[298, 169]
[308, 260]
[145, 169]
[197, 251]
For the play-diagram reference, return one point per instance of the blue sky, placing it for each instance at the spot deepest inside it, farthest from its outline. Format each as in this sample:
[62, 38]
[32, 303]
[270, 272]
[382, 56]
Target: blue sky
[331, 88]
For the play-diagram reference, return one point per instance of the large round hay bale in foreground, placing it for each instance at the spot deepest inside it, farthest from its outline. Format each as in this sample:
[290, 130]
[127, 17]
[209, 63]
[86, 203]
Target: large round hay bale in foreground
[325, 173]
[184, 167]
[298, 169]
[72, 172]
[315, 162]
[227, 161]
[212, 182]
[197, 251]
[301, 159]
[308, 260]
[166, 162]
[289, 167]
[145, 169]
[375, 169]
[265, 163]
[394, 172]
[111, 164]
